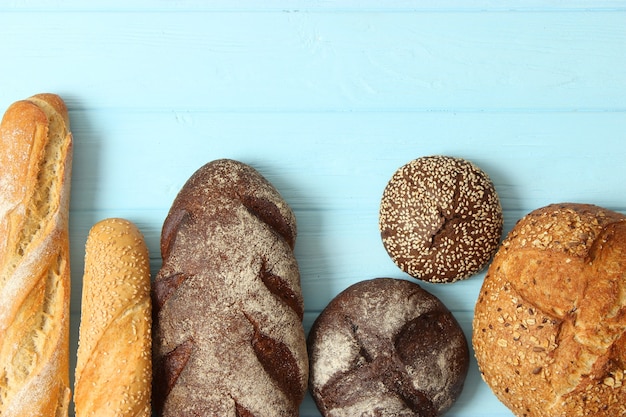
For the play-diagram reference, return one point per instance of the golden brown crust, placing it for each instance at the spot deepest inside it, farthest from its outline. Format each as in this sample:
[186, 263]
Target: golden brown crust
[550, 318]
[114, 365]
[35, 156]
[55, 102]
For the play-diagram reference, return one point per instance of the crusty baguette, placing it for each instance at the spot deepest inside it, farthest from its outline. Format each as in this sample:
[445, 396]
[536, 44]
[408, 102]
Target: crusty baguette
[114, 364]
[35, 170]
[228, 336]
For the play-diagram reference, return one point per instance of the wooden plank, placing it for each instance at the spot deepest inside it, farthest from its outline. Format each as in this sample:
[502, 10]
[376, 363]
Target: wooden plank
[341, 161]
[224, 61]
[293, 6]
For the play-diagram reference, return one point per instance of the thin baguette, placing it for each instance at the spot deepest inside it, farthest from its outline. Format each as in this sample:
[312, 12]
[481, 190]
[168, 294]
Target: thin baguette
[35, 170]
[114, 364]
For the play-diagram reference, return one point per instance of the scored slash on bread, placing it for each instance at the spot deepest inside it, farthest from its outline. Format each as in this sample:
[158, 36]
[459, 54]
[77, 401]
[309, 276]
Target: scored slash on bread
[35, 170]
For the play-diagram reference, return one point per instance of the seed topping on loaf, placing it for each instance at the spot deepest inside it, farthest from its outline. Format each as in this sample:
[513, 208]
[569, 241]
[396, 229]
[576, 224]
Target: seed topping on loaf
[440, 218]
[550, 318]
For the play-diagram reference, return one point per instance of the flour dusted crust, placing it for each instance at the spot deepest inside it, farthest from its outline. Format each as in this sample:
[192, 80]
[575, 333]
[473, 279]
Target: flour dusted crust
[549, 327]
[228, 335]
[35, 170]
[386, 347]
[440, 218]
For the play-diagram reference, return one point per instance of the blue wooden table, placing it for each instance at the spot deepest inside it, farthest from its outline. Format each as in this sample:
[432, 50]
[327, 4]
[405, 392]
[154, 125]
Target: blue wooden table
[327, 99]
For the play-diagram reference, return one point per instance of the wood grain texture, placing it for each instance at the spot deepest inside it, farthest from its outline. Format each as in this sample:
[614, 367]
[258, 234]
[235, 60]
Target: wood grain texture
[327, 99]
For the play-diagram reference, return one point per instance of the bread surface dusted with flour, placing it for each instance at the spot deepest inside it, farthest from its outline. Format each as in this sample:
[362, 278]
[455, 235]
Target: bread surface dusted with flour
[228, 328]
[549, 325]
[386, 347]
[114, 364]
[35, 169]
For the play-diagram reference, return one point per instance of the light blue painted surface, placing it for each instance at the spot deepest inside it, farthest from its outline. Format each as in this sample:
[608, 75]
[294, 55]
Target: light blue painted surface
[327, 99]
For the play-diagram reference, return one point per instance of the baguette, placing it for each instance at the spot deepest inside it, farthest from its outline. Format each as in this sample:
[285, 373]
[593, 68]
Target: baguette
[229, 339]
[114, 368]
[35, 170]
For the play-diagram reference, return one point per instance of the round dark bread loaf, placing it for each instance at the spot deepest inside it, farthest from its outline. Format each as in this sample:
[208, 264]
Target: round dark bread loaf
[228, 335]
[386, 347]
[549, 329]
[440, 218]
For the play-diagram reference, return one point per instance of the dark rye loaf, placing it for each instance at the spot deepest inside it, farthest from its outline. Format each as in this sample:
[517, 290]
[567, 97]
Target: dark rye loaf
[228, 307]
[386, 347]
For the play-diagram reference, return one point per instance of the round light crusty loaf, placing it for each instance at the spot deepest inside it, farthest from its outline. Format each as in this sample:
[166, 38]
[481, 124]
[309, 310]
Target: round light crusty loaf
[386, 347]
[228, 335]
[549, 327]
[440, 218]
[114, 361]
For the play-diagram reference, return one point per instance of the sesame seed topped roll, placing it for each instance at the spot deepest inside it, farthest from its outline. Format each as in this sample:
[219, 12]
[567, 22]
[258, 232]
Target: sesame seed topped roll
[114, 364]
[440, 218]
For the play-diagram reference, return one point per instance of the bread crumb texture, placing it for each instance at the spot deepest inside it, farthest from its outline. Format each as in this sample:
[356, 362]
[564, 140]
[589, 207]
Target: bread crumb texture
[440, 218]
[549, 322]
